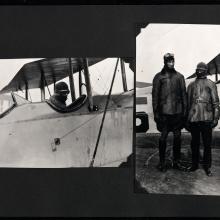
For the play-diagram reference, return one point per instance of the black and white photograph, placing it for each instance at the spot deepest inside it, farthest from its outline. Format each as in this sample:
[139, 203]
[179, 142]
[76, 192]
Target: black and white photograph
[66, 112]
[177, 148]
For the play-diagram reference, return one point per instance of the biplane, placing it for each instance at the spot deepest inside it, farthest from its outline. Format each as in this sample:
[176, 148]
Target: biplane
[95, 130]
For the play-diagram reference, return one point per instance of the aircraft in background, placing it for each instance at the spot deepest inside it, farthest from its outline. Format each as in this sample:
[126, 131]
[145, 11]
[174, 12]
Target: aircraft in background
[96, 130]
[144, 111]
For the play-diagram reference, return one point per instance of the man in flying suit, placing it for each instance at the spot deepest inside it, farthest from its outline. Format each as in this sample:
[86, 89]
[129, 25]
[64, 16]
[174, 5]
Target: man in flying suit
[59, 97]
[203, 115]
[169, 108]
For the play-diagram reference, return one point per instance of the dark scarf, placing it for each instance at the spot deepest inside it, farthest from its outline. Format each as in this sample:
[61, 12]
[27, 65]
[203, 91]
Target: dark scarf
[167, 70]
[57, 99]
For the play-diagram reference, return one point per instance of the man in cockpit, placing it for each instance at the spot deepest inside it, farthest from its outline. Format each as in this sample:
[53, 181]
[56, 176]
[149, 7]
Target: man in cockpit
[59, 97]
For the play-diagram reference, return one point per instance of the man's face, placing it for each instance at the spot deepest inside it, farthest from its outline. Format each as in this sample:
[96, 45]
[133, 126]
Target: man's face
[201, 73]
[170, 64]
[63, 96]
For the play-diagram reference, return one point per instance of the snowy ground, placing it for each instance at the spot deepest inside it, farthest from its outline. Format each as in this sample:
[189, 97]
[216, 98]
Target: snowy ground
[174, 181]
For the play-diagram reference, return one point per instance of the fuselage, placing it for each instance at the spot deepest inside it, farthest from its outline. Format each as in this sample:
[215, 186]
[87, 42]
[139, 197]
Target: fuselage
[35, 135]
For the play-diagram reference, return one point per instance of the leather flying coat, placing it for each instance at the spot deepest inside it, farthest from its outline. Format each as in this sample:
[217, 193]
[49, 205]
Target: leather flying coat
[169, 93]
[203, 101]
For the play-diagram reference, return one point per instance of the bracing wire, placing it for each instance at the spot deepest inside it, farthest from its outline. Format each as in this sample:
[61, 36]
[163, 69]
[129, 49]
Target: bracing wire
[104, 86]
[78, 127]
[103, 118]
[97, 80]
[47, 86]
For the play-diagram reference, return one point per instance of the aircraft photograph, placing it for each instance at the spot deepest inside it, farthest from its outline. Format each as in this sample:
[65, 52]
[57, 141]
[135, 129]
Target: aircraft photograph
[66, 112]
[177, 148]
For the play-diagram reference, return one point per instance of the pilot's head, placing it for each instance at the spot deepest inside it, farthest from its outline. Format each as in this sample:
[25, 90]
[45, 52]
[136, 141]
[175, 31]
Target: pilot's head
[201, 70]
[61, 89]
[169, 60]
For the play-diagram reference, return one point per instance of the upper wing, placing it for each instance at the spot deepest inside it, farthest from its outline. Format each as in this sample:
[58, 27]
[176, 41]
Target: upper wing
[213, 67]
[53, 70]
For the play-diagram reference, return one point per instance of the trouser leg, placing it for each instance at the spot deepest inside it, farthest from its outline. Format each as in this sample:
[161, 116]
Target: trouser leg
[162, 145]
[195, 143]
[207, 141]
[176, 145]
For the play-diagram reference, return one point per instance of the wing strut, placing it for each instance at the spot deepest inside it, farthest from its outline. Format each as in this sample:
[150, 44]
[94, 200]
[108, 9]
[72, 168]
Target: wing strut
[71, 81]
[80, 83]
[47, 86]
[88, 83]
[103, 118]
[42, 82]
[216, 71]
[26, 90]
[53, 77]
[42, 89]
[123, 74]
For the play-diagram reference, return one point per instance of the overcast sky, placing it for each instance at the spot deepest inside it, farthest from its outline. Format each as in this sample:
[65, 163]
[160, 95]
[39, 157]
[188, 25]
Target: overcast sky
[101, 76]
[190, 44]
